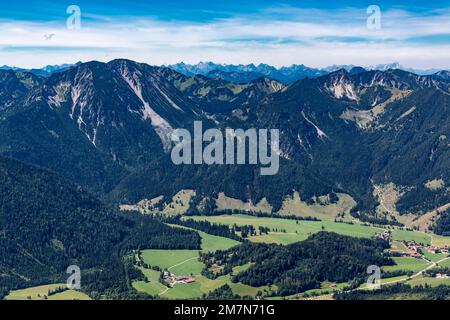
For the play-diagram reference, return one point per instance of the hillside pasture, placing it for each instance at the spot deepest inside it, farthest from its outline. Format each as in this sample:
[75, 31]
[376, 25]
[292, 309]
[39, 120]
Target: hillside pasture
[44, 292]
[185, 262]
[287, 231]
[407, 264]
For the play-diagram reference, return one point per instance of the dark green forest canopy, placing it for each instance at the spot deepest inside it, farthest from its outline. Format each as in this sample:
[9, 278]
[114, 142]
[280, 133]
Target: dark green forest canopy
[301, 266]
[442, 226]
[48, 224]
[399, 292]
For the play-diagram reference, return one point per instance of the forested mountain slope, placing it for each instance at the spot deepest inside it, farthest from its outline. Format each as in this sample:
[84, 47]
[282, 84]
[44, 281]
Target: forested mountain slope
[48, 224]
[107, 127]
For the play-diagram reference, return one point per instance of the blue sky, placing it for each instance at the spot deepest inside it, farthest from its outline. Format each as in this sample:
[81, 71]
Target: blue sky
[315, 33]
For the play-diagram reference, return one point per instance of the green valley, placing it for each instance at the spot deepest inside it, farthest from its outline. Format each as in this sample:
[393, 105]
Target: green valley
[285, 231]
[186, 262]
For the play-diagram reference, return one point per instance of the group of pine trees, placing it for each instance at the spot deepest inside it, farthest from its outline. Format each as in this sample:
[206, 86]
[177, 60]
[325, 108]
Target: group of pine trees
[303, 265]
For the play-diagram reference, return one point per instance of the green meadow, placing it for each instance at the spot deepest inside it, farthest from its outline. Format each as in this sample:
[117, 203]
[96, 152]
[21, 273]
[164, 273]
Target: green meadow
[417, 237]
[445, 263]
[435, 257]
[42, 293]
[407, 264]
[185, 262]
[152, 286]
[282, 231]
[176, 261]
[434, 282]
[287, 231]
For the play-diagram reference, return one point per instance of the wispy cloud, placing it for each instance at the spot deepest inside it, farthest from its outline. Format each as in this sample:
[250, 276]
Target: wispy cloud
[280, 35]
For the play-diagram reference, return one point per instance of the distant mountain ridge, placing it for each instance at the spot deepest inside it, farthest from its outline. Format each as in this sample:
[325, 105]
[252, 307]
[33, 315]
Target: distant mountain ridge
[287, 75]
[244, 73]
[44, 71]
[240, 73]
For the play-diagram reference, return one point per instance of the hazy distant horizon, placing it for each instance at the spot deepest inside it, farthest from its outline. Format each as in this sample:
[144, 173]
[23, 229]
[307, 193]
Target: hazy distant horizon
[368, 67]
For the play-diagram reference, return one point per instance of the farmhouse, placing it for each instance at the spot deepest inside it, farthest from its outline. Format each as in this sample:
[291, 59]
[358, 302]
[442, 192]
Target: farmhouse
[385, 235]
[184, 279]
[432, 249]
[396, 253]
[173, 279]
[414, 246]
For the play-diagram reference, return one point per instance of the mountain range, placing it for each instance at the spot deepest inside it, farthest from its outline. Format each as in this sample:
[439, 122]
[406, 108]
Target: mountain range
[44, 71]
[287, 75]
[245, 73]
[107, 126]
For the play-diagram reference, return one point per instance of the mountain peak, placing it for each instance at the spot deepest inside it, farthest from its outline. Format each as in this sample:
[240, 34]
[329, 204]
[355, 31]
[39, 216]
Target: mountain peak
[356, 70]
[443, 74]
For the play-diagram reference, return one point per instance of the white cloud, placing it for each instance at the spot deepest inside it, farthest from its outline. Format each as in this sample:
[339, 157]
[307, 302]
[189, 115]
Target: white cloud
[280, 36]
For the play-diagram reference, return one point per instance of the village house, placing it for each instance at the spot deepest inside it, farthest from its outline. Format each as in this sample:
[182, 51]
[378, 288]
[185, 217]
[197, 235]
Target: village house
[432, 249]
[385, 235]
[396, 253]
[416, 255]
[184, 279]
[173, 279]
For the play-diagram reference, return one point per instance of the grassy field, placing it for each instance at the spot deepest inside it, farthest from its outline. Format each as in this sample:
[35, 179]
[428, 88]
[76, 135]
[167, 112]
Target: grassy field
[325, 288]
[176, 261]
[213, 243]
[185, 262]
[69, 295]
[276, 237]
[295, 206]
[392, 280]
[445, 263]
[283, 231]
[223, 202]
[179, 203]
[421, 237]
[152, 286]
[396, 245]
[408, 264]
[42, 292]
[440, 241]
[204, 285]
[417, 237]
[295, 230]
[435, 257]
[434, 282]
[210, 243]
